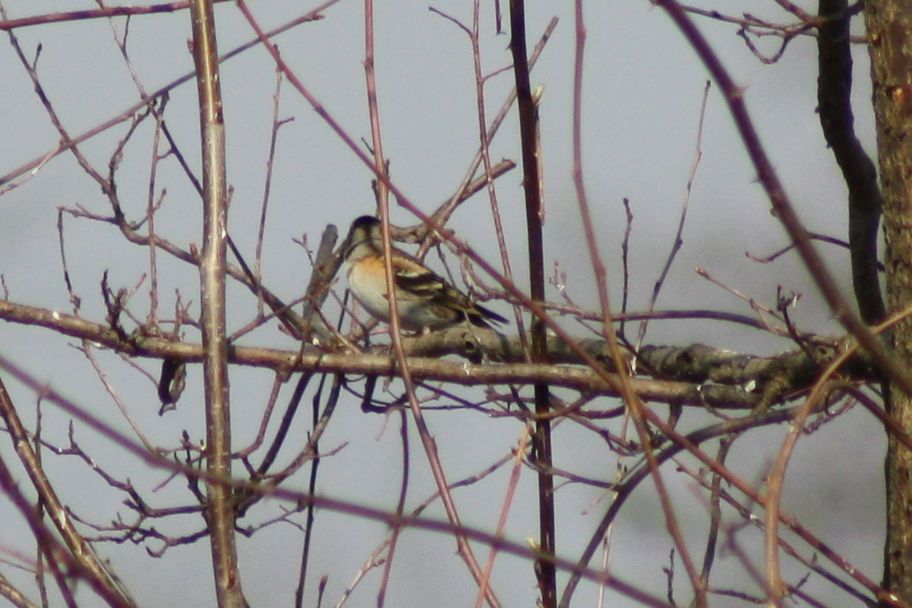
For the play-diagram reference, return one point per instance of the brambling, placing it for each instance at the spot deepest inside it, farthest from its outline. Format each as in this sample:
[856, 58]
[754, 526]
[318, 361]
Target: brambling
[425, 300]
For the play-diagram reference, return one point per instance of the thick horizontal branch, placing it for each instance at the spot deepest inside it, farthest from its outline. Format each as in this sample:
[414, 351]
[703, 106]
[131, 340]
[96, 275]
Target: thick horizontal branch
[695, 375]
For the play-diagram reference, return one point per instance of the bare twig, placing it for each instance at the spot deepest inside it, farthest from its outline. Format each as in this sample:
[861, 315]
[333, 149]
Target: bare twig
[80, 553]
[100, 13]
[783, 207]
[678, 238]
[34, 165]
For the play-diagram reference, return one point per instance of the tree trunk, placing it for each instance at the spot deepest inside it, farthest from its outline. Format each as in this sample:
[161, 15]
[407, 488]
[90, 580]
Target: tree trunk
[889, 27]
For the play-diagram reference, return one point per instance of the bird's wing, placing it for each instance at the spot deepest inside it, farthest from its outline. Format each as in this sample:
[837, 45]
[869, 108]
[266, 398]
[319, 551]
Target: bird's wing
[416, 280]
[419, 282]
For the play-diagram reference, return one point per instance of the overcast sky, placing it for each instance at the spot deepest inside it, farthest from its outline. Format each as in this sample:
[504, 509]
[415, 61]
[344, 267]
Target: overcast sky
[642, 93]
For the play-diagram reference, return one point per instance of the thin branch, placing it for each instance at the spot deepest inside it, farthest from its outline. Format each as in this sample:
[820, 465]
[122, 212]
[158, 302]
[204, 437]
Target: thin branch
[326, 502]
[35, 165]
[679, 235]
[220, 514]
[785, 211]
[101, 578]
[535, 212]
[100, 13]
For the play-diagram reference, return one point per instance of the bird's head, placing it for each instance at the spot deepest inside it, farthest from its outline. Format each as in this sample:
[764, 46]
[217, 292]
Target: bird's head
[364, 237]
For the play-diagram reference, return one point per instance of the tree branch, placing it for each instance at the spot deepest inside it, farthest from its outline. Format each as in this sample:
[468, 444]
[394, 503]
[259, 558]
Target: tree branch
[220, 514]
[834, 90]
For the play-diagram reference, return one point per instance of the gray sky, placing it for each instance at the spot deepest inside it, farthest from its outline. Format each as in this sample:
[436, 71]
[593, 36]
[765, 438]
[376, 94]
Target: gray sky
[641, 99]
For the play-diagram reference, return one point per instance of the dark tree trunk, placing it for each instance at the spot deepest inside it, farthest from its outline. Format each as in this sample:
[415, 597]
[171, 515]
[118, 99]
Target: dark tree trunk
[889, 26]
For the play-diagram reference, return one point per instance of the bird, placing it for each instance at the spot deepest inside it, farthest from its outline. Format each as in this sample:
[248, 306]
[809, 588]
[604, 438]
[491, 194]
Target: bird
[425, 301]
